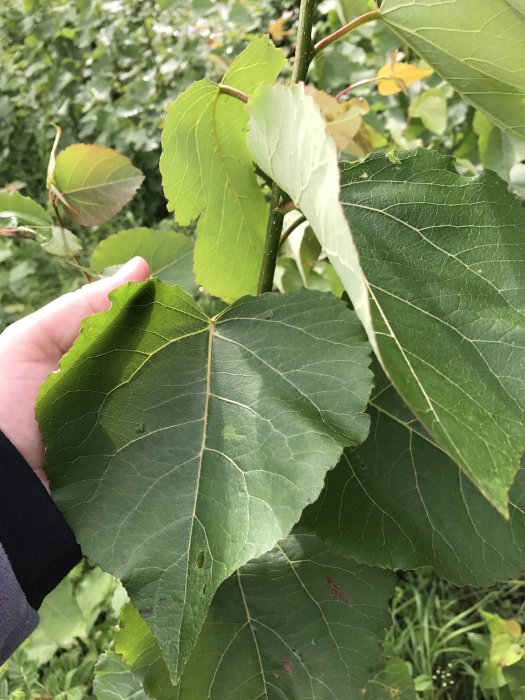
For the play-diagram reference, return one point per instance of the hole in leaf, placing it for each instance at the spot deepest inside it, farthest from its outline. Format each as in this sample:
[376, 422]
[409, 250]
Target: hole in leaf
[199, 561]
[204, 589]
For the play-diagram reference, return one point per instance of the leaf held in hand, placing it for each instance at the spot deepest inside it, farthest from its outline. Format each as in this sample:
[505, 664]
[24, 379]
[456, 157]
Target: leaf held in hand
[203, 438]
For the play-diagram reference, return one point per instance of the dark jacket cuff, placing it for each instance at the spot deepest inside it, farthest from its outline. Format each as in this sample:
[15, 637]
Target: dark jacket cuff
[36, 538]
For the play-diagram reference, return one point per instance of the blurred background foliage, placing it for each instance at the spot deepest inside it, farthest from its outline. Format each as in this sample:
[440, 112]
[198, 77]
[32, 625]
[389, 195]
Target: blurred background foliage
[104, 71]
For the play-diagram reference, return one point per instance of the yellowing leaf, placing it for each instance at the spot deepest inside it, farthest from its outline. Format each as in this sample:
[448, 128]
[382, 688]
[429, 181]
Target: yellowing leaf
[344, 120]
[276, 29]
[396, 77]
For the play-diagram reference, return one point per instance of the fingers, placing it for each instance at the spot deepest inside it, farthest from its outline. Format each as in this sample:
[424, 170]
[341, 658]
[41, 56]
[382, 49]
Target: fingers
[49, 332]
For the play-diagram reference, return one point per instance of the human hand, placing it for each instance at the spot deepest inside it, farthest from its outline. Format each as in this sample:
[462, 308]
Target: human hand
[31, 348]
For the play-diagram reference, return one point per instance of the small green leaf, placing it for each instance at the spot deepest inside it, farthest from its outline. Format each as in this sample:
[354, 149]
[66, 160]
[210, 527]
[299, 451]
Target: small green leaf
[207, 170]
[497, 150]
[114, 681]
[94, 182]
[398, 501]
[52, 157]
[393, 682]
[444, 258]
[476, 46]
[431, 107]
[18, 211]
[278, 627]
[168, 253]
[203, 438]
[288, 139]
[61, 619]
[59, 241]
[142, 655]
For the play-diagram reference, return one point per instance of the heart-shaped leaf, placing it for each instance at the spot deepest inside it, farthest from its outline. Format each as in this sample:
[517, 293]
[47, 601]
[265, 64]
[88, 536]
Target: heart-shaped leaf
[94, 182]
[179, 446]
[444, 257]
[207, 171]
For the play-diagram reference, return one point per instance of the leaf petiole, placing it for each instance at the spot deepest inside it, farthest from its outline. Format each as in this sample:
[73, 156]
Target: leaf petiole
[354, 24]
[233, 92]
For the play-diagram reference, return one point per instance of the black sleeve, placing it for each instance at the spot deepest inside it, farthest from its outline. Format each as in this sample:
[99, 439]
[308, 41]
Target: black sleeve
[37, 540]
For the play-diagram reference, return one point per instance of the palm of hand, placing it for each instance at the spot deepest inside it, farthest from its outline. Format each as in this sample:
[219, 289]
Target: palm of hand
[31, 348]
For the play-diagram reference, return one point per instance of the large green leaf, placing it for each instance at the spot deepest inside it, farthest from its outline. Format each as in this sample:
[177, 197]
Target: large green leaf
[168, 253]
[399, 501]
[444, 257]
[207, 170]
[299, 622]
[476, 46]
[203, 438]
[288, 139]
[94, 182]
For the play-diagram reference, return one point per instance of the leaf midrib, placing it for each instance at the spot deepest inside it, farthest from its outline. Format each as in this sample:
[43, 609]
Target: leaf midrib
[211, 333]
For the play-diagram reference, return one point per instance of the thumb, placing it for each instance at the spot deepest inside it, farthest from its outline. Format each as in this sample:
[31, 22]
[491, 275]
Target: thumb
[53, 329]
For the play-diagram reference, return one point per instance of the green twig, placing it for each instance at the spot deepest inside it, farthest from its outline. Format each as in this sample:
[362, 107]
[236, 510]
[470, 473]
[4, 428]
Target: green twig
[354, 24]
[75, 259]
[273, 238]
[304, 50]
[303, 57]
